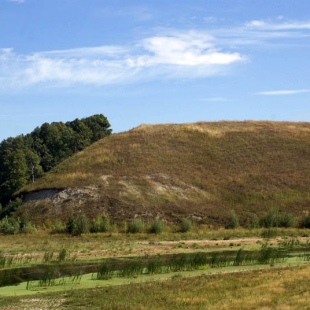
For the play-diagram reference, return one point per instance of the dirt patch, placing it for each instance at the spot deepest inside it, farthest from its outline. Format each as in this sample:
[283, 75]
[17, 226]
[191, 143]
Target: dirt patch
[56, 195]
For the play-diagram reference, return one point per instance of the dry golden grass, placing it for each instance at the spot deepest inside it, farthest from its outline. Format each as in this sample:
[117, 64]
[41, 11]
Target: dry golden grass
[177, 170]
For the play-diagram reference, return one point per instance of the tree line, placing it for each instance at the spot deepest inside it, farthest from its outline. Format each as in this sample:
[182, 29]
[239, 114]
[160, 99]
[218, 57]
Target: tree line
[27, 157]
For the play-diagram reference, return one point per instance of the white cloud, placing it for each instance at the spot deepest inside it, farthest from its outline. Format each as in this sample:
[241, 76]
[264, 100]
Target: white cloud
[283, 92]
[191, 49]
[186, 55]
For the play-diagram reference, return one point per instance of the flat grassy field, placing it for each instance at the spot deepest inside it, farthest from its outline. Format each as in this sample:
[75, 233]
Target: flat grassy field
[272, 288]
[274, 284]
[119, 244]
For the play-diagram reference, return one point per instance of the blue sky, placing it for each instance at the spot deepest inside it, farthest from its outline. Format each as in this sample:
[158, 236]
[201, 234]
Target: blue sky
[152, 61]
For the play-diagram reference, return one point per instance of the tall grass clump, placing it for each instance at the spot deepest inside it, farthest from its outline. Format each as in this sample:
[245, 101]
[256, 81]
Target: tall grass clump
[265, 254]
[185, 225]
[269, 233]
[3, 261]
[100, 224]
[179, 262]
[62, 254]
[105, 271]
[48, 257]
[305, 221]
[286, 220]
[253, 222]
[270, 219]
[132, 268]
[199, 259]
[135, 226]
[240, 257]
[219, 260]
[48, 278]
[58, 227]
[155, 265]
[156, 227]
[232, 221]
[274, 218]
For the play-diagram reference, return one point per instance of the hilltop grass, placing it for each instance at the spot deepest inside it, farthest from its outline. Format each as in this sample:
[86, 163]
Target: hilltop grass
[202, 168]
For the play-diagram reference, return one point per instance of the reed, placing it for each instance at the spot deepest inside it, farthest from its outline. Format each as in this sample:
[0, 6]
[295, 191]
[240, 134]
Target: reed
[105, 270]
[132, 268]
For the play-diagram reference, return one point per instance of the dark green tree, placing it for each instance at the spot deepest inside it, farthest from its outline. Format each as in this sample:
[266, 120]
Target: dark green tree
[82, 135]
[25, 158]
[99, 126]
[13, 166]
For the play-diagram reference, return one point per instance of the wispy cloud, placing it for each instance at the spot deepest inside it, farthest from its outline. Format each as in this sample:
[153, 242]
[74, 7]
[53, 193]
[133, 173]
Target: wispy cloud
[258, 32]
[88, 52]
[138, 13]
[283, 92]
[187, 55]
[18, 1]
[283, 25]
[215, 99]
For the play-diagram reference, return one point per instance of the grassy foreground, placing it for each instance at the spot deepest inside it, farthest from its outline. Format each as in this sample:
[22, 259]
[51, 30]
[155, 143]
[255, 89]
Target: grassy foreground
[275, 288]
[268, 286]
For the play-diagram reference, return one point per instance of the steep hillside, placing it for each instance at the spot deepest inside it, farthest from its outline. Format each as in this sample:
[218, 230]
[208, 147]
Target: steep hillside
[202, 170]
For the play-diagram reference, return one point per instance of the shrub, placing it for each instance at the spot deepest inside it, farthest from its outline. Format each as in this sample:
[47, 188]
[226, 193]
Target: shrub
[270, 219]
[305, 221]
[58, 228]
[232, 221]
[157, 227]
[135, 226]
[100, 224]
[286, 220]
[11, 206]
[253, 222]
[9, 226]
[185, 225]
[77, 225]
[26, 227]
[274, 218]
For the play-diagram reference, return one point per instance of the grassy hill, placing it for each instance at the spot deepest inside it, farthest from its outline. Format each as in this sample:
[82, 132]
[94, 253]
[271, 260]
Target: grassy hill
[201, 170]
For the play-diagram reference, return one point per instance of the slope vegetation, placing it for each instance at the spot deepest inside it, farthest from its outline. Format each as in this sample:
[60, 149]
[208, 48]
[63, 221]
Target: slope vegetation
[200, 170]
